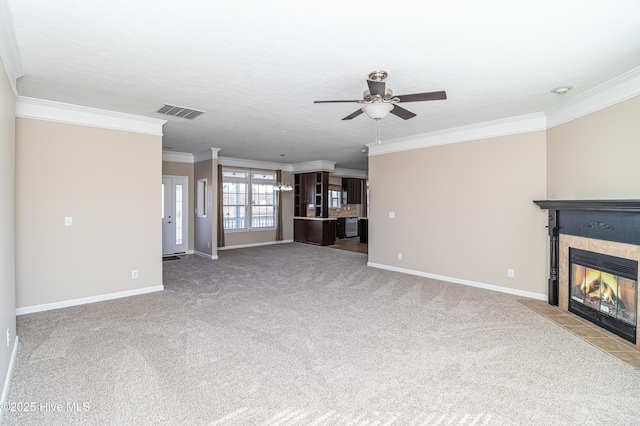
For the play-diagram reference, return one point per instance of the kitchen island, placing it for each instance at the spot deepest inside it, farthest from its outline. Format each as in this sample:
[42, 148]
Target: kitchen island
[314, 230]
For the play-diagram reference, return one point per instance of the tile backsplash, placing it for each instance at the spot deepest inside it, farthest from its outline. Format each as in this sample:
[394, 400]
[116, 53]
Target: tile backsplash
[345, 210]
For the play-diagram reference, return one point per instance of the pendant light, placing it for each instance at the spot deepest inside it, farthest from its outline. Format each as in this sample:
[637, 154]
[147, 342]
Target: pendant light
[282, 186]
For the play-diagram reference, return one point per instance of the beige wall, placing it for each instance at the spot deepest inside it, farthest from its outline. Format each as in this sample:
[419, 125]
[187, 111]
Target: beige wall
[463, 211]
[7, 247]
[257, 237]
[205, 227]
[108, 181]
[287, 208]
[170, 168]
[596, 156]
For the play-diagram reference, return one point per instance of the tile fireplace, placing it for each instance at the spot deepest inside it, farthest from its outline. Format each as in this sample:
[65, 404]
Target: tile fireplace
[594, 258]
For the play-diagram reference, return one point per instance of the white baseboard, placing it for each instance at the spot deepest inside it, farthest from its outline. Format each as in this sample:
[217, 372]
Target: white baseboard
[86, 300]
[190, 252]
[266, 243]
[206, 255]
[7, 381]
[491, 287]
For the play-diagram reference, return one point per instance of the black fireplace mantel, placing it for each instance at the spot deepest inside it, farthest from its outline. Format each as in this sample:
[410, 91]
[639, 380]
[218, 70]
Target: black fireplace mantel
[591, 205]
[609, 220]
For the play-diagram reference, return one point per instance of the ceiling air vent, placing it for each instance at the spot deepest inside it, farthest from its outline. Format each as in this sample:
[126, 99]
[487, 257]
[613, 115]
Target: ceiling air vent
[178, 111]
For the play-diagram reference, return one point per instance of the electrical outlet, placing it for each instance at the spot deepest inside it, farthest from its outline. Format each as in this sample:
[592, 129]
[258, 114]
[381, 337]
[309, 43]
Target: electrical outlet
[68, 221]
[392, 215]
[134, 273]
[399, 256]
[8, 338]
[511, 273]
[208, 244]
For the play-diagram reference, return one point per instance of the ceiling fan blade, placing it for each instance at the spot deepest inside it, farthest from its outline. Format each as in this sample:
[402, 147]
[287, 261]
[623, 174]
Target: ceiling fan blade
[376, 87]
[353, 115]
[402, 113]
[429, 96]
[329, 102]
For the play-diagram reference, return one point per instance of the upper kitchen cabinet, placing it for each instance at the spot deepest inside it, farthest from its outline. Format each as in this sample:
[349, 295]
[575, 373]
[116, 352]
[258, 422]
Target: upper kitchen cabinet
[352, 191]
[311, 194]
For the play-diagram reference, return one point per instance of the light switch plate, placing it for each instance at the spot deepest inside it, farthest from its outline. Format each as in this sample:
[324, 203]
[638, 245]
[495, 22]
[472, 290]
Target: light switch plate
[68, 221]
[392, 215]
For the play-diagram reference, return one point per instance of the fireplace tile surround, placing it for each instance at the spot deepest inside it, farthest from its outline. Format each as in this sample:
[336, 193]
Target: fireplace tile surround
[610, 227]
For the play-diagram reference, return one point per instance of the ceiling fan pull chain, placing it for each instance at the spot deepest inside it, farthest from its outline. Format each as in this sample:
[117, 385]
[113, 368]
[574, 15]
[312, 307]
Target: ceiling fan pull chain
[378, 130]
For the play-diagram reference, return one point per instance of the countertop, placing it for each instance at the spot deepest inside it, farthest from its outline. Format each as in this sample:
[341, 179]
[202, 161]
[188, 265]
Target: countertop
[328, 218]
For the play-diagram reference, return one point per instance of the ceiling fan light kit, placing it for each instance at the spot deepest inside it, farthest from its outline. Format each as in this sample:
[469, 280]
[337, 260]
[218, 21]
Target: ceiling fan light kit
[377, 110]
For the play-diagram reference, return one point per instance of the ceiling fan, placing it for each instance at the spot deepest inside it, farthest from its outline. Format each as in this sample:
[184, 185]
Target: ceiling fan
[379, 101]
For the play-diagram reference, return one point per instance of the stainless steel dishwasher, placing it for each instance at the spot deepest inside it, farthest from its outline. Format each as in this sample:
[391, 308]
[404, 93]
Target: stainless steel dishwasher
[351, 227]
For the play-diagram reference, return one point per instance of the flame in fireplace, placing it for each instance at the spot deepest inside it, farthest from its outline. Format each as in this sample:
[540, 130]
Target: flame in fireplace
[600, 285]
[591, 282]
[609, 291]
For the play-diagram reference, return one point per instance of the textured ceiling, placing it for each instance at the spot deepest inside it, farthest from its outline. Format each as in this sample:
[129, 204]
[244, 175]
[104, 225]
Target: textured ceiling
[256, 67]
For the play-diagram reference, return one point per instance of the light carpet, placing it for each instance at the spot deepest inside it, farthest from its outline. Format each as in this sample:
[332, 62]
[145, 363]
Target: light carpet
[294, 334]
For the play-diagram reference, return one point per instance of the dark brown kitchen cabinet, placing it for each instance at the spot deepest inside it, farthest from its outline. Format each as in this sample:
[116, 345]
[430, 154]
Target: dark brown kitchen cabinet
[351, 191]
[320, 232]
[341, 230]
[300, 233]
[297, 195]
[311, 192]
[363, 230]
[310, 188]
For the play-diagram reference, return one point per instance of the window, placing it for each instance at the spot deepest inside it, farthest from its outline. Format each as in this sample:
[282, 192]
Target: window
[244, 188]
[178, 220]
[335, 195]
[263, 200]
[201, 198]
[235, 199]
[334, 199]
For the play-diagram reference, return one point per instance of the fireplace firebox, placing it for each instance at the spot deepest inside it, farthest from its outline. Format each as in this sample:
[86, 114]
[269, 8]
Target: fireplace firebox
[603, 289]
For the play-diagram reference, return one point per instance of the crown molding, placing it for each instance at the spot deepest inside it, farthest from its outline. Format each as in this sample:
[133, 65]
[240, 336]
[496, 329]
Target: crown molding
[9, 47]
[209, 154]
[314, 166]
[506, 126]
[614, 91]
[352, 173]
[310, 166]
[254, 164]
[177, 157]
[84, 116]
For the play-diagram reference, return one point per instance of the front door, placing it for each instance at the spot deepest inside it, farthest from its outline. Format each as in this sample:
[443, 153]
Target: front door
[174, 214]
